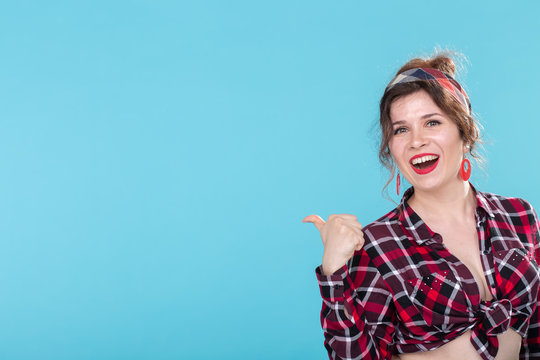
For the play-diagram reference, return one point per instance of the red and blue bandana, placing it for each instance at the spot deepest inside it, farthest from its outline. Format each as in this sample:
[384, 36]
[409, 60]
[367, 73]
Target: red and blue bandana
[428, 74]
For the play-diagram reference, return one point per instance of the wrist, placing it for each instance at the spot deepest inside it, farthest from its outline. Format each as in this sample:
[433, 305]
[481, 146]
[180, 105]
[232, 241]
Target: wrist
[329, 267]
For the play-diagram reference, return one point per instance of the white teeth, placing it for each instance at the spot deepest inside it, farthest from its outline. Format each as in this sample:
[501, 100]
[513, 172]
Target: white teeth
[424, 159]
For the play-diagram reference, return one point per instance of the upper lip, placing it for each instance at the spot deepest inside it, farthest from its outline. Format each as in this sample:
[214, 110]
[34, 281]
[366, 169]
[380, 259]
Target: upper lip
[420, 155]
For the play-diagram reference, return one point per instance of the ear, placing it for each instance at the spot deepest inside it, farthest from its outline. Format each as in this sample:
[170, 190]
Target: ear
[466, 148]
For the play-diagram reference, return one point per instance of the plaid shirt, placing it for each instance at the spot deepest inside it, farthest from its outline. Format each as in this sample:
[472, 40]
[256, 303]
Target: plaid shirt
[405, 292]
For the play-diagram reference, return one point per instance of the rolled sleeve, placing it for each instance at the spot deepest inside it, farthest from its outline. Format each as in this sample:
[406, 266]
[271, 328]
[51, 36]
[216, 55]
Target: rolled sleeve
[332, 287]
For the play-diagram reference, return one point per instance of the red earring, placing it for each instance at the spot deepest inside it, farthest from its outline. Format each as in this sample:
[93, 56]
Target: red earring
[398, 183]
[465, 173]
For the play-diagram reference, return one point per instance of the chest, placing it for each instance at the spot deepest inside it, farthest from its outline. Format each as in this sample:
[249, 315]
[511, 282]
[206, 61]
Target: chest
[464, 244]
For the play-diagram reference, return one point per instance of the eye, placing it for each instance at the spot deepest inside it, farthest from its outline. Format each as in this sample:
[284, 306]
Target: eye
[433, 123]
[400, 130]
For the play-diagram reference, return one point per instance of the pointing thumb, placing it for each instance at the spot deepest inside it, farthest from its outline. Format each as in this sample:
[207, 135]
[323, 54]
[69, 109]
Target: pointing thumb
[316, 220]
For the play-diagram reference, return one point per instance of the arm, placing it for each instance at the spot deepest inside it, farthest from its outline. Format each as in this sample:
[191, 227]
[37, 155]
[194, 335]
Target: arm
[531, 344]
[357, 313]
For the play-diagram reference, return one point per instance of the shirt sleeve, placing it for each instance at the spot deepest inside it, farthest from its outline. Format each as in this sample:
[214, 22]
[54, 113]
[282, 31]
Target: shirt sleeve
[365, 330]
[531, 344]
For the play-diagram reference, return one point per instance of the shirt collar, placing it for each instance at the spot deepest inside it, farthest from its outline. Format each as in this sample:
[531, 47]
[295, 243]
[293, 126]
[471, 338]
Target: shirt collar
[415, 227]
[483, 202]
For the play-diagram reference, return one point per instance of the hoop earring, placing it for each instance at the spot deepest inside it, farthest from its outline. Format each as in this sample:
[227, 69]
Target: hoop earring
[465, 173]
[398, 183]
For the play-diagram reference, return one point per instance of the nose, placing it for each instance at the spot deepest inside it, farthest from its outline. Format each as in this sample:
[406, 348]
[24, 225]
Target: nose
[418, 139]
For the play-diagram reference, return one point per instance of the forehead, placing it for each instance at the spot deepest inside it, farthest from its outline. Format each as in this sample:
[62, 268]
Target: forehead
[413, 106]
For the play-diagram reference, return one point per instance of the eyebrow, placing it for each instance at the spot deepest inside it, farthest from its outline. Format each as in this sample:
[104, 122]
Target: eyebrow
[399, 122]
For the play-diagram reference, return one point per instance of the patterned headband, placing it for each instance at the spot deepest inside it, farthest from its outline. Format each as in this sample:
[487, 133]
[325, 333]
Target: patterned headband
[443, 79]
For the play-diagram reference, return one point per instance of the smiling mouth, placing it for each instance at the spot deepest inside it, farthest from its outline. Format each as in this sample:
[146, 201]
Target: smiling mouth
[424, 164]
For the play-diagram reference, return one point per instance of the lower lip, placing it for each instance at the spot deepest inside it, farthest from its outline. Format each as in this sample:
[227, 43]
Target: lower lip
[426, 170]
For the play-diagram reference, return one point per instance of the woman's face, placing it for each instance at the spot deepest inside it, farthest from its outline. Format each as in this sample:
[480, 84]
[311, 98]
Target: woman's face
[426, 144]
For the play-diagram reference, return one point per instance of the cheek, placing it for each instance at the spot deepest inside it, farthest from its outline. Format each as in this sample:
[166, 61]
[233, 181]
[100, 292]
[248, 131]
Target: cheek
[453, 144]
[396, 149]
[450, 137]
[392, 149]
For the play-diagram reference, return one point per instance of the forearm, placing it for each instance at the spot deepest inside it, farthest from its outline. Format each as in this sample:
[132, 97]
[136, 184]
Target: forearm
[349, 334]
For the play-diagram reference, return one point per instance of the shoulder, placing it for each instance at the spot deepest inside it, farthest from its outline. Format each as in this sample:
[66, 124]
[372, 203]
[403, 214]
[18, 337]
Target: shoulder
[505, 205]
[384, 229]
[515, 211]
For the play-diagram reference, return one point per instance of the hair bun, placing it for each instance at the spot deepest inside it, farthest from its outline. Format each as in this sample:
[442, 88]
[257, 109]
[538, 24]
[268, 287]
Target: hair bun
[441, 61]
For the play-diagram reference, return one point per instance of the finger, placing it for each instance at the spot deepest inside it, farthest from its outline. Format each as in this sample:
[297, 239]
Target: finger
[359, 243]
[351, 221]
[359, 234]
[357, 231]
[316, 220]
[348, 217]
[342, 216]
[355, 224]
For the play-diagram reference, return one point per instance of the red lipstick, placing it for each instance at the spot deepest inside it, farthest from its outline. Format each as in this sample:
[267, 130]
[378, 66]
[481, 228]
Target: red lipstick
[426, 170]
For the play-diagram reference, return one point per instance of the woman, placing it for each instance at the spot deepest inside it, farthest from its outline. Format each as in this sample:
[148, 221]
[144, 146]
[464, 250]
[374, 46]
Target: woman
[452, 272]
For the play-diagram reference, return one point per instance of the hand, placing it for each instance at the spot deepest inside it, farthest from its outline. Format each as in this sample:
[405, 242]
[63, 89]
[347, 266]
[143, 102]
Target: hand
[341, 236]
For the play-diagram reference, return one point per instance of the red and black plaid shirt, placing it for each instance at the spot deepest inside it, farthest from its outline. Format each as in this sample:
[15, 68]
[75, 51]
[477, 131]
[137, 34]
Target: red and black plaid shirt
[405, 292]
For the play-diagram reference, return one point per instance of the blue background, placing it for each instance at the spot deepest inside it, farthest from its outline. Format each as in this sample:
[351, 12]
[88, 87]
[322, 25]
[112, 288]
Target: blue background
[157, 158]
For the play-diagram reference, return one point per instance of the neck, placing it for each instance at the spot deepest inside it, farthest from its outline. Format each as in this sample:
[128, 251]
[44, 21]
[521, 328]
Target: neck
[453, 201]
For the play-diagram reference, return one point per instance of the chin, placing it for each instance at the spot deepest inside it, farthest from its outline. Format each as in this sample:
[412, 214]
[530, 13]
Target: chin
[431, 185]
[427, 184]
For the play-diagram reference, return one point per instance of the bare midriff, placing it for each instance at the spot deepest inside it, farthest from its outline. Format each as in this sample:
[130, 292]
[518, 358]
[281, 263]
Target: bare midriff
[461, 348]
